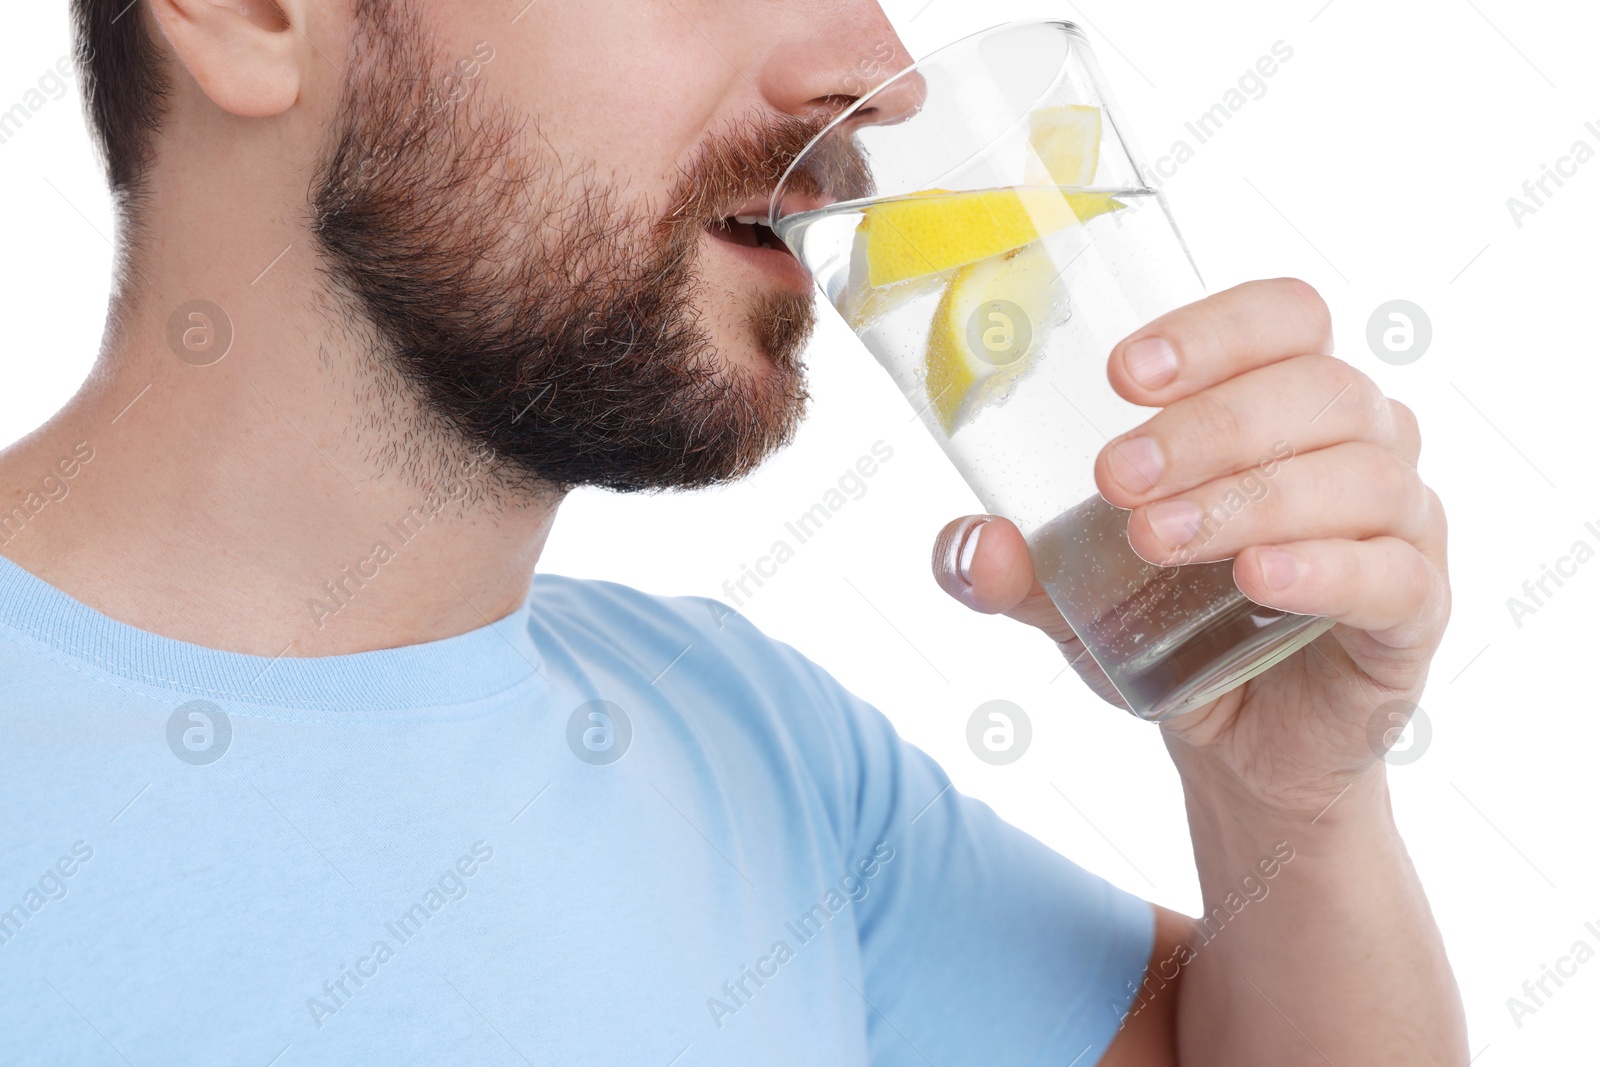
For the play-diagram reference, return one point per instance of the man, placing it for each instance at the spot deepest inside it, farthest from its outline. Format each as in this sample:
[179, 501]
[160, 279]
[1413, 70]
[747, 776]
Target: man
[298, 770]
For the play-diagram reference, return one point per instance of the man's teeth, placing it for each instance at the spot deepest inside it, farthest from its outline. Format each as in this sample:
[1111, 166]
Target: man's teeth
[750, 231]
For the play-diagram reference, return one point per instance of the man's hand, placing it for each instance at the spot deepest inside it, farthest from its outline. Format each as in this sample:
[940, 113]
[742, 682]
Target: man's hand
[1343, 963]
[1347, 530]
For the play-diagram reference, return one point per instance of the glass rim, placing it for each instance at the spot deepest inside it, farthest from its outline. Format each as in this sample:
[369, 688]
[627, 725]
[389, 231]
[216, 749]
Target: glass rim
[774, 207]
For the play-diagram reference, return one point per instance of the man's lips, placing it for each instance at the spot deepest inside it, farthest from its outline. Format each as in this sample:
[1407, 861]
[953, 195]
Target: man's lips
[746, 233]
[759, 249]
[747, 230]
[749, 224]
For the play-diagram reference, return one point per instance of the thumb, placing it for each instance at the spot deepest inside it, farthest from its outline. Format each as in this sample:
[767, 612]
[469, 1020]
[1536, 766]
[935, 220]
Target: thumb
[983, 562]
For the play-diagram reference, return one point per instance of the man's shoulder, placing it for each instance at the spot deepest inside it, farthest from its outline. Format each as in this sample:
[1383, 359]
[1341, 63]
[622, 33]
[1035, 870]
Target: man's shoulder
[608, 605]
[594, 617]
[697, 660]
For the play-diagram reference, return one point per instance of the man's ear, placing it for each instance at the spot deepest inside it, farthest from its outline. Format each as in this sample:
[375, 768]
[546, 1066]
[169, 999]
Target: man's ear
[246, 55]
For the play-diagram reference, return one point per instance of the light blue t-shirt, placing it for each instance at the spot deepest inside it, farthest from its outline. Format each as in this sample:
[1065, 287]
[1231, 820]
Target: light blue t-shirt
[608, 829]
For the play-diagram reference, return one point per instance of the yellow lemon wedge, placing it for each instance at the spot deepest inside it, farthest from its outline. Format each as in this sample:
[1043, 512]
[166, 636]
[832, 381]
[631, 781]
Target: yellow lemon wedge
[864, 305]
[936, 232]
[1066, 145]
[988, 332]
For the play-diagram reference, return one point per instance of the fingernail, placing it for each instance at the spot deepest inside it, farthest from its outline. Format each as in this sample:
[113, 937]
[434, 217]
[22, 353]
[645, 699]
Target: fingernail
[1137, 464]
[1174, 522]
[1280, 569]
[968, 551]
[1151, 362]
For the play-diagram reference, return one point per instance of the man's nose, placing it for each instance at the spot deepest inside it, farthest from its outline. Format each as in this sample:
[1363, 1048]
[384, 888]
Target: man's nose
[833, 57]
[897, 101]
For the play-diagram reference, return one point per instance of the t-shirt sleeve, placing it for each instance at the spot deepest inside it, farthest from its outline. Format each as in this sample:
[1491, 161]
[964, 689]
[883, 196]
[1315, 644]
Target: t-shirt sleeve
[979, 944]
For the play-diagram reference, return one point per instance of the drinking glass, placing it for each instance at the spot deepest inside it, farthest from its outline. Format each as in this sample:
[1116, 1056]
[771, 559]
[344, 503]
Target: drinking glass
[981, 222]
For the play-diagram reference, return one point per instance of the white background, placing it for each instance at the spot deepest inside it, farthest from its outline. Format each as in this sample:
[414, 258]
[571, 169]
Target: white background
[1377, 166]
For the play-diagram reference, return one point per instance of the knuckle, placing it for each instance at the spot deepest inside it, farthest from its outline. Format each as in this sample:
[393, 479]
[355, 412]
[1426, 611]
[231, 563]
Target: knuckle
[1312, 308]
[1407, 429]
[1341, 575]
[1200, 334]
[1327, 372]
[1346, 376]
[1374, 404]
[1329, 482]
[1436, 509]
[1390, 478]
[1434, 538]
[1420, 595]
[1332, 579]
[1217, 515]
[1211, 421]
[1419, 574]
[1355, 391]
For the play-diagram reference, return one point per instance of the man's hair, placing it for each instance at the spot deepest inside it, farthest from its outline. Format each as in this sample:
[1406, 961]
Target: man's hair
[124, 87]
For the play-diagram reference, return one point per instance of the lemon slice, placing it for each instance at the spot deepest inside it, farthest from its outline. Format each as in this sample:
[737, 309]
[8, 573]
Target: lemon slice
[988, 332]
[936, 232]
[1066, 145]
[864, 305]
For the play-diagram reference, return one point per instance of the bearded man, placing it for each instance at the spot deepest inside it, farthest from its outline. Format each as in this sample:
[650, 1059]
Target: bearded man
[393, 278]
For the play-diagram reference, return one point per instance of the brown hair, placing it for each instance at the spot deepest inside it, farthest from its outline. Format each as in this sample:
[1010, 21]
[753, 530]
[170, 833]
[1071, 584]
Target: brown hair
[123, 86]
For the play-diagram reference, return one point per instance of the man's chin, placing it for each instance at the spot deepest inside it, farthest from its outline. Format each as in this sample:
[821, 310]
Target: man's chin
[781, 326]
[763, 381]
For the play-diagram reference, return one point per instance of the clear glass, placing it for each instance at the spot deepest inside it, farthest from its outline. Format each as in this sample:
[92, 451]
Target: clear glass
[981, 223]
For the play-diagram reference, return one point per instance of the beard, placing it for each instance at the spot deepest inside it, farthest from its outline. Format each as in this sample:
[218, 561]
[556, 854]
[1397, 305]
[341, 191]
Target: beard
[518, 307]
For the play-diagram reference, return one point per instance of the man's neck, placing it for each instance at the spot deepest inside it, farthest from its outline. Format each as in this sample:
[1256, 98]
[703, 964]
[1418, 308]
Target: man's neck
[285, 500]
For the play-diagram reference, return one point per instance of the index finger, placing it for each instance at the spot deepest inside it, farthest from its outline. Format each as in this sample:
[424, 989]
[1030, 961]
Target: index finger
[1220, 337]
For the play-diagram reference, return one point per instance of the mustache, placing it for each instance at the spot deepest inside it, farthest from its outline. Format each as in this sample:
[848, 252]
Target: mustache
[749, 159]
